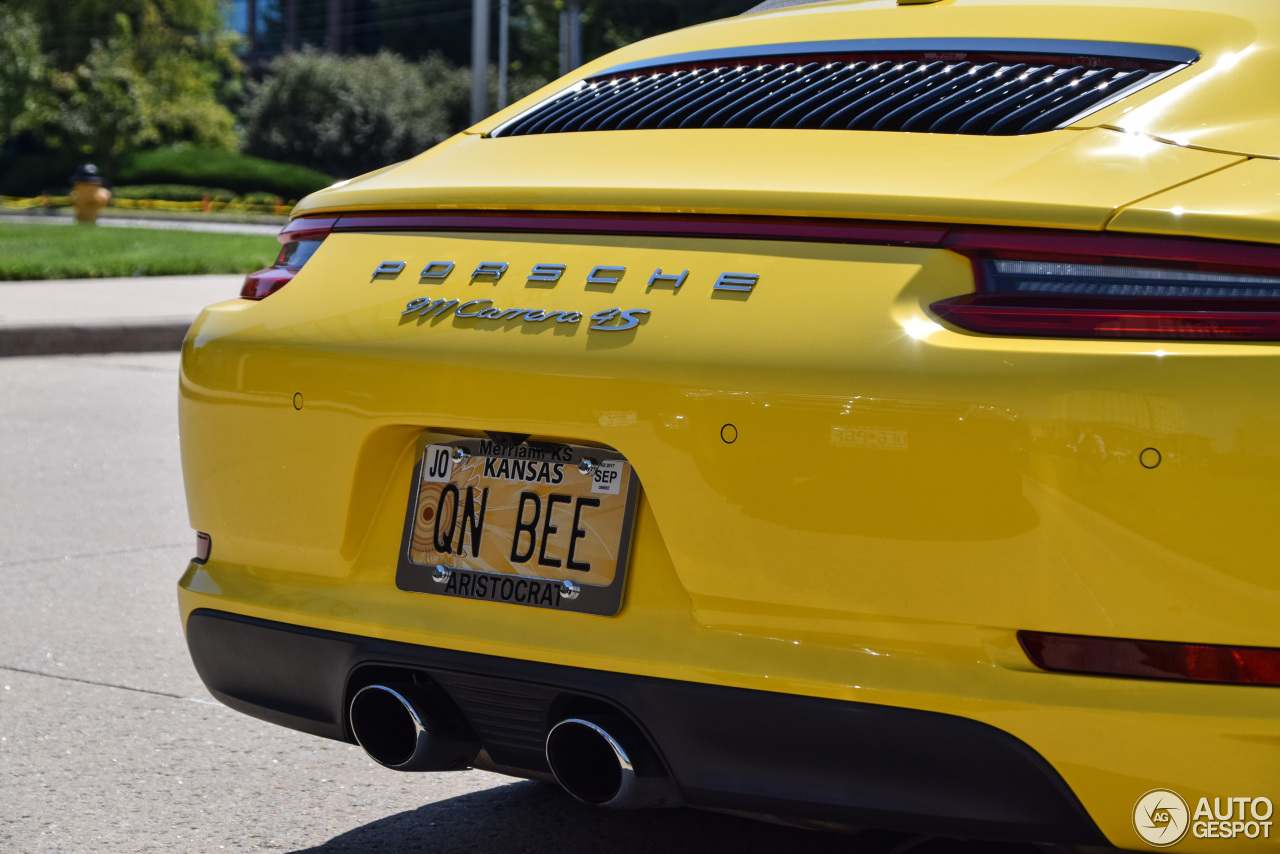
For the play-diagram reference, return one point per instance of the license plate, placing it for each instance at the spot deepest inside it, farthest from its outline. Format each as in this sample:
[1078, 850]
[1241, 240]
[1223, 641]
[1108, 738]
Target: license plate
[538, 524]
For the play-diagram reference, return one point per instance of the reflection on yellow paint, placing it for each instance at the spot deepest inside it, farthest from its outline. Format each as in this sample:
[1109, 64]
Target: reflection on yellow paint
[920, 328]
[861, 437]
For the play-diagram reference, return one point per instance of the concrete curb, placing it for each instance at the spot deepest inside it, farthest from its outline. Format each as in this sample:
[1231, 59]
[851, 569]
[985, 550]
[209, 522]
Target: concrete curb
[216, 227]
[62, 339]
[64, 214]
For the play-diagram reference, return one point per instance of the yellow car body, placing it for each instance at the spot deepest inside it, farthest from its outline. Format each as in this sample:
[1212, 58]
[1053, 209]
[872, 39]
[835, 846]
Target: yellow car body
[842, 495]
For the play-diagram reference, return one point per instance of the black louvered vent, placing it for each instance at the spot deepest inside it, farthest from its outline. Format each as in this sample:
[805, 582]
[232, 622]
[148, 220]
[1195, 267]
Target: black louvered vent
[509, 717]
[924, 92]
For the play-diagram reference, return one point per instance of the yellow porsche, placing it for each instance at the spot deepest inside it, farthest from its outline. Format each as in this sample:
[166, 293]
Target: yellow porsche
[864, 412]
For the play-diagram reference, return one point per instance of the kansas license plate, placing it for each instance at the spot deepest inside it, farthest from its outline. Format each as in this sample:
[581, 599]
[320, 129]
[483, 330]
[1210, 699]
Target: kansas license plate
[538, 524]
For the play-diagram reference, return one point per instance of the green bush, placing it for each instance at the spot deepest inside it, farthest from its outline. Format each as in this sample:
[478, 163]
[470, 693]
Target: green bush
[173, 193]
[209, 168]
[237, 174]
[345, 115]
[260, 199]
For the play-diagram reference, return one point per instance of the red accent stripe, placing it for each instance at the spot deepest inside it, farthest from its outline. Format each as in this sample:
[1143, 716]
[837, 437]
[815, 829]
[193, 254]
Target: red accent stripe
[816, 230]
[1045, 244]
[308, 227]
[1143, 659]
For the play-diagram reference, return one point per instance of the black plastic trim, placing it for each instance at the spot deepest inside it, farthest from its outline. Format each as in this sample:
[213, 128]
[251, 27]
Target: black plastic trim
[726, 748]
[1069, 47]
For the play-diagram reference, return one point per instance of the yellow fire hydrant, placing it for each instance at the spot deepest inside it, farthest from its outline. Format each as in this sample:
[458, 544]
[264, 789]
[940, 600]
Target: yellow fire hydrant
[87, 194]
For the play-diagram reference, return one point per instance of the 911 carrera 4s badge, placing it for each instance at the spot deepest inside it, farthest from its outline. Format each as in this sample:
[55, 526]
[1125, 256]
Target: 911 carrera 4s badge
[530, 524]
[609, 320]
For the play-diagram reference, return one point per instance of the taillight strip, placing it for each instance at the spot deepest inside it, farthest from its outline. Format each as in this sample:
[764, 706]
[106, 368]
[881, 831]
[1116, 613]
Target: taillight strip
[816, 230]
[1101, 247]
[307, 227]
[1146, 659]
[1039, 321]
[967, 240]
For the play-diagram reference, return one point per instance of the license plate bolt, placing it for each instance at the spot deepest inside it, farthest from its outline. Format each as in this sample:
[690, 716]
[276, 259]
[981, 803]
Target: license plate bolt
[570, 589]
[586, 465]
[460, 456]
[441, 573]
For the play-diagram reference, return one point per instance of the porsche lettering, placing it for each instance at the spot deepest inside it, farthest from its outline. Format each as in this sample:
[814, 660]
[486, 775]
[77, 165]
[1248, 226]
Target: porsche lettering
[436, 272]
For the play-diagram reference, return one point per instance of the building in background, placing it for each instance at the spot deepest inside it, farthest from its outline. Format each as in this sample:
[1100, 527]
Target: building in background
[543, 32]
[270, 27]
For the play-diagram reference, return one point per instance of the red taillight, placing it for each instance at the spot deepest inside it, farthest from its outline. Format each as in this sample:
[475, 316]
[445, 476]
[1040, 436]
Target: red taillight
[1066, 285]
[266, 282]
[300, 240]
[1110, 321]
[1142, 659]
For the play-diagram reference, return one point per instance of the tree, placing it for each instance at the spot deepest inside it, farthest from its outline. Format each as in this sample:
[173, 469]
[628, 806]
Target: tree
[342, 115]
[349, 115]
[416, 29]
[24, 74]
[606, 26]
[97, 77]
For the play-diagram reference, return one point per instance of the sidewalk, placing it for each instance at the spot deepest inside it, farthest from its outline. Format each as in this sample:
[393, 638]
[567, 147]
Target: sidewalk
[174, 223]
[105, 315]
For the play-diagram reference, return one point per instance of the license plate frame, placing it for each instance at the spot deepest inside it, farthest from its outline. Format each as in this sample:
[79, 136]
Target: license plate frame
[602, 599]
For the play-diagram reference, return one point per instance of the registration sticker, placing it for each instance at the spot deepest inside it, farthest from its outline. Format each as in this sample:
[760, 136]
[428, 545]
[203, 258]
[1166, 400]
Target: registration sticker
[607, 477]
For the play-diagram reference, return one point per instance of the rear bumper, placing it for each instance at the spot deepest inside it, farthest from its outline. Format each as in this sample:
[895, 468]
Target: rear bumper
[727, 748]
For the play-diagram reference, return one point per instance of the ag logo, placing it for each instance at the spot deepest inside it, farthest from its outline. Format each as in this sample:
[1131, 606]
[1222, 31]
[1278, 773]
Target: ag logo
[1161, 817]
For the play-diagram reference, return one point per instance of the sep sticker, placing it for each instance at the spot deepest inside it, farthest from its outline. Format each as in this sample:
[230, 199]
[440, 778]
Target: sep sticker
[607, 477]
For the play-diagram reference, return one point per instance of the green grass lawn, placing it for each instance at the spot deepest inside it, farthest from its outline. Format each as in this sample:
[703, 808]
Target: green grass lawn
[83, 251]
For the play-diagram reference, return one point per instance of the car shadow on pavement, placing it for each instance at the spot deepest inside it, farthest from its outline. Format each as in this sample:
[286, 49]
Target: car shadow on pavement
[538, 817]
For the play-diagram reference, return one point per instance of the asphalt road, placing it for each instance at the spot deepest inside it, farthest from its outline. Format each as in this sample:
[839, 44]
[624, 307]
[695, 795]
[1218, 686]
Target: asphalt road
[108, 740]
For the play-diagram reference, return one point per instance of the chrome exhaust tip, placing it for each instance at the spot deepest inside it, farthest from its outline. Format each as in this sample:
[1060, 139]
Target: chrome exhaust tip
[608, 762]
[405, 728]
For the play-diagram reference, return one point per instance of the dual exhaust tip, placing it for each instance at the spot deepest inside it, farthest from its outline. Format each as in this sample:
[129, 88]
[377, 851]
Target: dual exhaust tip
[608, 762]
[600, 759]
[402, 727]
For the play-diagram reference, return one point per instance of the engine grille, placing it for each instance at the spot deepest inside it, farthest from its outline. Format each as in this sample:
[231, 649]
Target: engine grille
[980, 92]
